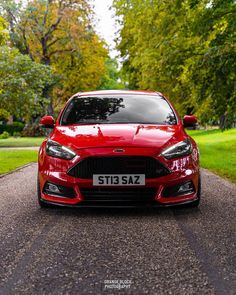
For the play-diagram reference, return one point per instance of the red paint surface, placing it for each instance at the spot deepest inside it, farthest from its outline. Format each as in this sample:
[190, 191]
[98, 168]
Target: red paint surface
[101, 140]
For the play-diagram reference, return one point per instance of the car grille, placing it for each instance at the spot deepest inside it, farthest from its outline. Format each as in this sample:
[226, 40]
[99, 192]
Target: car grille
[118, 165]
[124, 195]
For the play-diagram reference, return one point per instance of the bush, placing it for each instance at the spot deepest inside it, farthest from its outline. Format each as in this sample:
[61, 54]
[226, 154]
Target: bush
[32, 131]
[4, 135]
[14, 127]
[16, 134]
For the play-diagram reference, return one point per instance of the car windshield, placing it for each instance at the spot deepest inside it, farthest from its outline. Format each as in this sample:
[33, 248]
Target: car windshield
[144, 109]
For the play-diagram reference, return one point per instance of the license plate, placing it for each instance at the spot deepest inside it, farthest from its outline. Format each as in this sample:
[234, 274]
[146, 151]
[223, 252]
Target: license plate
[116, 180]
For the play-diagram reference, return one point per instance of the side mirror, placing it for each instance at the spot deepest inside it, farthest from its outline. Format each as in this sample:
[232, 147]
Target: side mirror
[47, 122]
[190, 121]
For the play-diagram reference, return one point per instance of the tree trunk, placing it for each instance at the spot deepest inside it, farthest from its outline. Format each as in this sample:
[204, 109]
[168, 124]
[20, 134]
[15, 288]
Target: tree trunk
[46, 60]
[222, 122]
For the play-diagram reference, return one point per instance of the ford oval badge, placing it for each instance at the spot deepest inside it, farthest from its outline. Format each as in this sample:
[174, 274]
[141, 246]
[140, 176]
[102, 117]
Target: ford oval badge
[118, 151]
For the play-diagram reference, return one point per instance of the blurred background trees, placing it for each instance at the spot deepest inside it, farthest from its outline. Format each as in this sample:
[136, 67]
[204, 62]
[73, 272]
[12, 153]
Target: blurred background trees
[185, 49]
[51, 52]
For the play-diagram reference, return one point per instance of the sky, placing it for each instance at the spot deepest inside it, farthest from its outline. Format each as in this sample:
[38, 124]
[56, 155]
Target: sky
[105, 23]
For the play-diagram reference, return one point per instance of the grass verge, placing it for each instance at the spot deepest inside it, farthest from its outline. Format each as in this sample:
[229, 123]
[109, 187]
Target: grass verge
[11, 160]
[217, 151]
[21, 141]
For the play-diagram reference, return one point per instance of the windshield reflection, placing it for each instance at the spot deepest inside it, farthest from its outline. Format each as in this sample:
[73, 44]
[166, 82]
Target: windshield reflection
[128, 109]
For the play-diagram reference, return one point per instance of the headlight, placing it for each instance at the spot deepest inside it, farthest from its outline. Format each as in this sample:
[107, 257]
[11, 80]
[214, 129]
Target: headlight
[179, 149]
[57, 150]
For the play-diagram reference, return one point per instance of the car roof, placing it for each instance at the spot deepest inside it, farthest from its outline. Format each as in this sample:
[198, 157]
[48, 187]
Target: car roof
[116, 92]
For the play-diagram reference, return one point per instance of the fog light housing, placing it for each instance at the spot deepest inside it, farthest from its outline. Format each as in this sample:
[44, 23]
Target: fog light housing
[56, 190]
[185, 188]
[53, 188]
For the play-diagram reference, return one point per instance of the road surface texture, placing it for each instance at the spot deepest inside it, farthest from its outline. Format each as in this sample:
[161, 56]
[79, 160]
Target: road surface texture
[81, 251]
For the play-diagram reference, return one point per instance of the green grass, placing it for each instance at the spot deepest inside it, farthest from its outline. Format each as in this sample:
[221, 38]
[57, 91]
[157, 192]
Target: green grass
[10, 160]
[21, 141]
[217, 151]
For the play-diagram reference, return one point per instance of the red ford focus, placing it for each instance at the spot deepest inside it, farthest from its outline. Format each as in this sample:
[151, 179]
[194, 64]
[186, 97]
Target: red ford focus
[118, 148]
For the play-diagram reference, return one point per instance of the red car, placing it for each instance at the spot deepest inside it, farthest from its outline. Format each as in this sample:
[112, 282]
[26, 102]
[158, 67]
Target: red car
[116, 149]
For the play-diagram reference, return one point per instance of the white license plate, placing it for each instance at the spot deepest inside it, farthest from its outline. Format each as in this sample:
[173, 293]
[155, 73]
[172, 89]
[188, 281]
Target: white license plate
[115, 180]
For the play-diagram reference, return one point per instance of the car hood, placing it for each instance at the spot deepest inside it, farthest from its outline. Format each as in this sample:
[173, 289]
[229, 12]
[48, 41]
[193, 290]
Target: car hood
[117, 135]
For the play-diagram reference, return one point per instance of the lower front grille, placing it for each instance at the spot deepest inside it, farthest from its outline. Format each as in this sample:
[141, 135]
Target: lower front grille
[146, 194]
[149, 166]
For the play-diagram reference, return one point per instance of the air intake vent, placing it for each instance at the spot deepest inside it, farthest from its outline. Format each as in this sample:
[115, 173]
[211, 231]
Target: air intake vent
[137, 195]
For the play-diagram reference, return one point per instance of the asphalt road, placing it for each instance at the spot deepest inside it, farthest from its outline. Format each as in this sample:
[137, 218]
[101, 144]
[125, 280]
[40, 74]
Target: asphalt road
[69, 251]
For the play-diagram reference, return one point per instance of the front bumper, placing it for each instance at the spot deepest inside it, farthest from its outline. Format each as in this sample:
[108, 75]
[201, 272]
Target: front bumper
[55, 170]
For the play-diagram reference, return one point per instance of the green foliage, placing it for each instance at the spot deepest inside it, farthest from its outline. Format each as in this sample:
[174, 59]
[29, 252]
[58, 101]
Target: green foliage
[22, 82]
[4, 135]
[12, 128]
[111, 79]
[59, 33]
[185, 49]
[4, 115]
[16, 134]
[4, 36]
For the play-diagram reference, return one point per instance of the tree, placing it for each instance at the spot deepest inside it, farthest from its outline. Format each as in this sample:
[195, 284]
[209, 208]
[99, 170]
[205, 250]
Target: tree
[59, 33]
[185, 49]
[111, 79]
[211, 75]
[22, 82]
